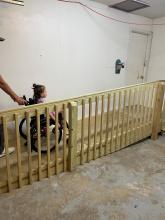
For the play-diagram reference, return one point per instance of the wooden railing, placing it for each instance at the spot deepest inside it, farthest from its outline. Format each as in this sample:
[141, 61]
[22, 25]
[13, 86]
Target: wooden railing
[163, 113]
[93, 126]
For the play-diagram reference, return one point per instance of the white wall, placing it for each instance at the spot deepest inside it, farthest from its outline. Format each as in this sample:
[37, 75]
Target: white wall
[64, 46]
[157, 60]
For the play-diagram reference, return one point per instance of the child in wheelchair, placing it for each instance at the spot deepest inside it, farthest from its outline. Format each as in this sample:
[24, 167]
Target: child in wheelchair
[39, 94]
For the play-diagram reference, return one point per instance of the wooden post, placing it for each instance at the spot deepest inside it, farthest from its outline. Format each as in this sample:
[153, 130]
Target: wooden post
[157, 110]
[72, 148]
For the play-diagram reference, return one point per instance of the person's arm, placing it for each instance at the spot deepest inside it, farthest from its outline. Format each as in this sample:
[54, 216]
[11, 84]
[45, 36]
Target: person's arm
[6, 88]
[52, 116]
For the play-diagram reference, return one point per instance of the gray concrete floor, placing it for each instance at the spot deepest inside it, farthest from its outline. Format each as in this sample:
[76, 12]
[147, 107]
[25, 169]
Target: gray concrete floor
[127, 185]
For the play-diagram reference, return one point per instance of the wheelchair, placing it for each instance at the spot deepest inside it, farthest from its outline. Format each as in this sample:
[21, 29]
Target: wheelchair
[43, 130]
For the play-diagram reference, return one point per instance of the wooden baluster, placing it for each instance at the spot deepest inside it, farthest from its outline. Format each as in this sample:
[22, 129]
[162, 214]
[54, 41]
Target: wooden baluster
[95, 128]
[64, 139]
[117, 145]
[142, 113]
[138, 114]
[146, 112]
[151, 106]
[101, 126]
[123, 121]
[39, 145]
[29, 146]
[82, 133]
[89, 130]
[128, 119]
[133, 117]
[18, 149]
[48, 140]
[56, 139]
[107, 124]
[113, 124]
[6, 145]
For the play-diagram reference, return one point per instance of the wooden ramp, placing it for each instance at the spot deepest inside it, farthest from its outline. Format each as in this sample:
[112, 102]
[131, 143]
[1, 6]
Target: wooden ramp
[99, 124]
[133, 135]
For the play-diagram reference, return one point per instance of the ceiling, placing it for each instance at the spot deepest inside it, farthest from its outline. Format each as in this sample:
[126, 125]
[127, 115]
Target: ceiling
[156, 10]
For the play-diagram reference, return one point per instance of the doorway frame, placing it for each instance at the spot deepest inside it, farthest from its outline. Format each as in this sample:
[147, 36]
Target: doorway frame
[149, 35]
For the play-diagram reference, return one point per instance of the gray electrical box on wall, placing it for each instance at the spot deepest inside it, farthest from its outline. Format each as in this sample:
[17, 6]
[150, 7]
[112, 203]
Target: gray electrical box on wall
[119, 65]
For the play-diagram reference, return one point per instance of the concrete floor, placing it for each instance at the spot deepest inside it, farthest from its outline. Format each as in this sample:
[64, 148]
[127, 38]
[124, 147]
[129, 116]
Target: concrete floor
[127, 185]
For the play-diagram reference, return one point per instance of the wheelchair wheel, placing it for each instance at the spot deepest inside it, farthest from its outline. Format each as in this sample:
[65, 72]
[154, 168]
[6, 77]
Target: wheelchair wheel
[21, 129]
[34, 141]
[22, 125]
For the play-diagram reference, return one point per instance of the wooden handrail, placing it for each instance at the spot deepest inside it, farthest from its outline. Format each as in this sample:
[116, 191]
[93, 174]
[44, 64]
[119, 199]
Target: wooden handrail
[74, 99]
